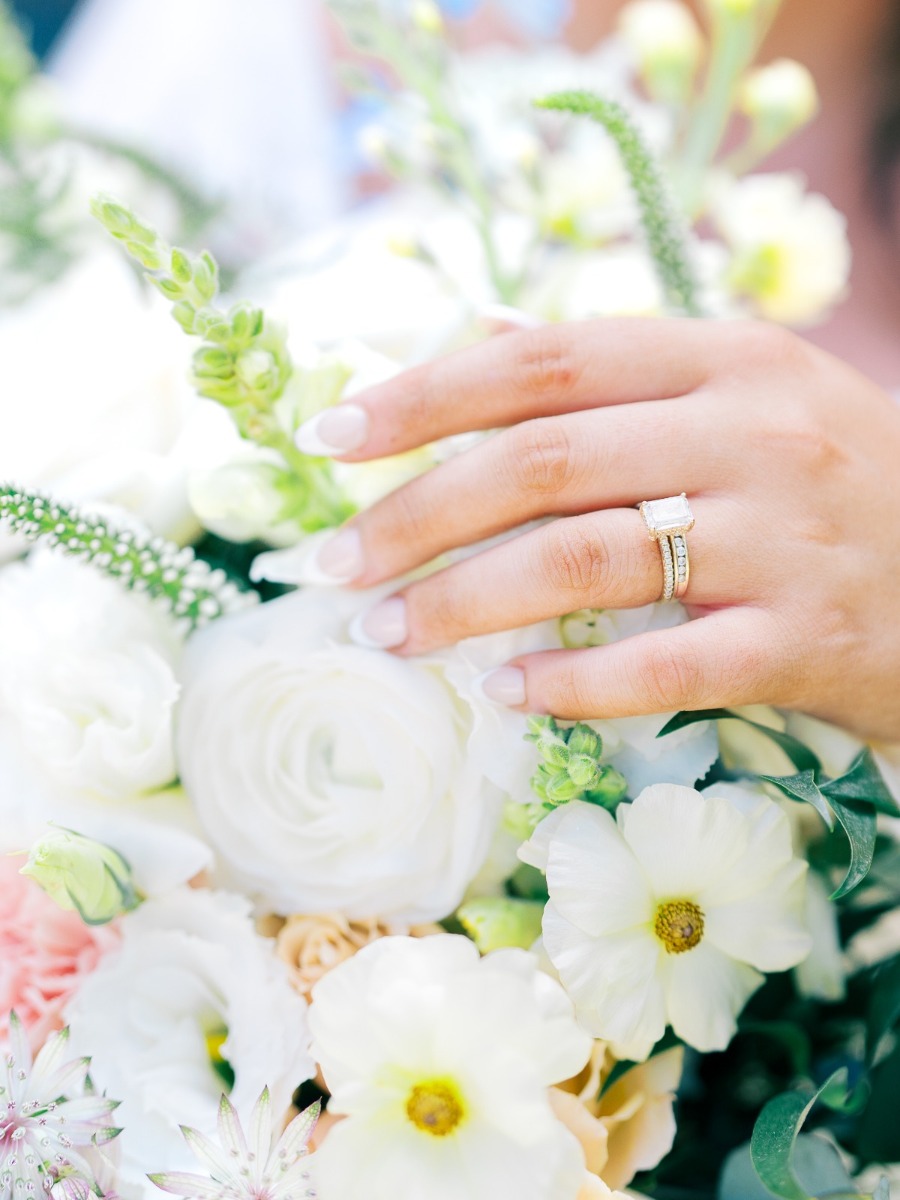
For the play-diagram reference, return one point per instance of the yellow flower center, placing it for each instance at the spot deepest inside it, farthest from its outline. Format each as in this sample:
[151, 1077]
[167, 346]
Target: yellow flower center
[435, 1107]
[679, 925]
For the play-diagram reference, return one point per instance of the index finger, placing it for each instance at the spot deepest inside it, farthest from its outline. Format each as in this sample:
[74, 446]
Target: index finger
[505, 380]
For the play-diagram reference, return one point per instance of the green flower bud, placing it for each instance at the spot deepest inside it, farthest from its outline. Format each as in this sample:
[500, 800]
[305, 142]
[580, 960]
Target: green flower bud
[583, 740]
[561, 789]
[213, 362]
[186, 315]
[81, 874]
[494, 922]
[181, 266]
[169, 288]
[610, 788]
[145, 255]
[258, 370]
[583, 771]
[246, 322]
[206, 276]
[112, 216]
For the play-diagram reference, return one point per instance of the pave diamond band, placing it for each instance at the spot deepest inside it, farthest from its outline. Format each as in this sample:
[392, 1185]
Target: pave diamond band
[668, 521]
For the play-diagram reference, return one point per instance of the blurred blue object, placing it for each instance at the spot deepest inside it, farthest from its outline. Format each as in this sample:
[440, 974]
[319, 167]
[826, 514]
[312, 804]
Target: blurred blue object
[538, 18]
[42, 20]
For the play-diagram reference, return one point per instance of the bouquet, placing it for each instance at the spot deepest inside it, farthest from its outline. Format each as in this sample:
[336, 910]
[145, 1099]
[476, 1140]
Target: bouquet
[285, 915]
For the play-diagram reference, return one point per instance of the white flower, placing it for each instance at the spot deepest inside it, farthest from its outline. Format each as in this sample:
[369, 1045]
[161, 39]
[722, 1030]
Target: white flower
[95, 400]
[87, 677]
[791, 256]
[257, 1165]
[191, 970]
[667, 914]
[50, 1117]
[441, 1062]
[665, 40]
[779, 98]
[629, 743]
[331, 777]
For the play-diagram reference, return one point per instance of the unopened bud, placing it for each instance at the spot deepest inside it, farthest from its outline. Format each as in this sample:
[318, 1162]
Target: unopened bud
[778, 99]
[583, 740]
[497, 922]
[180, 266]
[81, 874]
[667, 46]
[583, 771]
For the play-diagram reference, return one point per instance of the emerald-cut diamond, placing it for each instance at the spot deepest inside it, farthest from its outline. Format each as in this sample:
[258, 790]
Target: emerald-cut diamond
[667, 517]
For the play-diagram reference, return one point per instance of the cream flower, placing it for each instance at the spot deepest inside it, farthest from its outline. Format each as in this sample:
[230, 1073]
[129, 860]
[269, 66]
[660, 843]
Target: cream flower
[441, 1062]
[666, 43]
[87, 677]
[791, 256]
[192, 985]
[668, 914]
[331, 777]
[628, 1128]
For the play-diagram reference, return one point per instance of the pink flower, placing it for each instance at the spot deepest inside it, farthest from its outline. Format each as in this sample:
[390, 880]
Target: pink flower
[45, 952]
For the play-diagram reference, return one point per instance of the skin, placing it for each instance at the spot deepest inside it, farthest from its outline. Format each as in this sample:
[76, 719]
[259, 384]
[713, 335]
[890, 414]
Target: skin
[790, 458]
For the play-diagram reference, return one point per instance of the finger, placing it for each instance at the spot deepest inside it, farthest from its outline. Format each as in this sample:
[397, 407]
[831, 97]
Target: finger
[601, 560]
[556, 466]
[724, 659]
[533, 373]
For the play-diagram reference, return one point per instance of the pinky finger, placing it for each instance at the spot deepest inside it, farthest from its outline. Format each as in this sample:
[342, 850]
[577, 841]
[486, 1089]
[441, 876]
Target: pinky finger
[724, 659]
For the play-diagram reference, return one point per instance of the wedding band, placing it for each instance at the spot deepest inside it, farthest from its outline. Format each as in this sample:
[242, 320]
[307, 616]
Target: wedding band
[668, 521]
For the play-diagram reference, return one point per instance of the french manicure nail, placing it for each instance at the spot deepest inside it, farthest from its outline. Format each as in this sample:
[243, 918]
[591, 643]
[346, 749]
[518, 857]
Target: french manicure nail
[382, 627]
[337, 430]
[340, 558]
[503, 685]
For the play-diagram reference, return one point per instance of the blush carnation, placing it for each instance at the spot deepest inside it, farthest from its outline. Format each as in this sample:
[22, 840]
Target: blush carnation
[45, 953]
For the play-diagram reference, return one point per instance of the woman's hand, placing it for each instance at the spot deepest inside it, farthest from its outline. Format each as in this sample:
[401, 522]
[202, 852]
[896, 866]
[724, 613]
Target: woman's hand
[790, 461]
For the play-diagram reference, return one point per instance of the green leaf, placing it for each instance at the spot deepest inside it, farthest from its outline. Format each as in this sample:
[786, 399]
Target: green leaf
[775, 1133]
[817, 1165]
[664, 226]
[859, 824]
[863, 782]
[884, 1006]
[801, 756]
[803, 787]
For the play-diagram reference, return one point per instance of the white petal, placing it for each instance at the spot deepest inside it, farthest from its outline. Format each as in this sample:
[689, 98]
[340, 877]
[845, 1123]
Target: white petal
[767, 929]
[685, 842]
[704, 992]
[612, 981]
[767, 849]
[592, 875]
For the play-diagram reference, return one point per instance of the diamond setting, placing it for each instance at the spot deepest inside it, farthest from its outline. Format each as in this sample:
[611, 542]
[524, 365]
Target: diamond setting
[667, 517]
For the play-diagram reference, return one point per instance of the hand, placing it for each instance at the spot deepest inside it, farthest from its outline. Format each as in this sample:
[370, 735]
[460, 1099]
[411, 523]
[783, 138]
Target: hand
[791, 463]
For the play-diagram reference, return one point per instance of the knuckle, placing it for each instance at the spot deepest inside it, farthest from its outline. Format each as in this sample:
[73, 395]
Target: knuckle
[575, 562]
[771, 345]
[546, 363]
[541, 457]
[669, 678]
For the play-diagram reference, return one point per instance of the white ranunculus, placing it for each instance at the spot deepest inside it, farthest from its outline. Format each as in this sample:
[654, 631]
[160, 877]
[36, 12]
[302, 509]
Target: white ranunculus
[668, 913]
[629, 743]
[190, 970]
[440, 1061]
[790, 253]
[96, 402]
[328, 776]
[88, 678]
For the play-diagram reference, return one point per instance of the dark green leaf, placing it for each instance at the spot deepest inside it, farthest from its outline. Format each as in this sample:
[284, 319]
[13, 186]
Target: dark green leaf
[863, 782]
[775, 1136]
[818, 1167]
[859, 824]
[801, 756]
[803, 787]
[884, 1006]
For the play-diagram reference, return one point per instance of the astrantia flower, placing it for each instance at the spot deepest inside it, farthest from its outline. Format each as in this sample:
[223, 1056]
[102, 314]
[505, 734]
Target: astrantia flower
[254, 1166]
[441, 1062]
[49, 1115]
[667, 914]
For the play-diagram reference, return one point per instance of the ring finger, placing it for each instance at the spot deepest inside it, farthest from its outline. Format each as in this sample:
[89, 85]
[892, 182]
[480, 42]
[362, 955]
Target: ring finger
[598, 560]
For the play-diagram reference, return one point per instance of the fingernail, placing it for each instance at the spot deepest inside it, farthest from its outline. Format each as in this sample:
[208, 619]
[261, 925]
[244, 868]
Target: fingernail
[503, 685]
[340, 558]
[382, 627]
[335, 431]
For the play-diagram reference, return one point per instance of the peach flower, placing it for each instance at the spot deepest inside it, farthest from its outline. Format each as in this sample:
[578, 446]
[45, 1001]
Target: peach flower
[45, 952]
[630, 1126]
[312, 945]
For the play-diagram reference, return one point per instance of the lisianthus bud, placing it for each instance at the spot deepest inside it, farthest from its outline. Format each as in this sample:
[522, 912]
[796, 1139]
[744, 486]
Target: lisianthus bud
[493, 922]
[81, 874]
[778, 99]
[666, 43]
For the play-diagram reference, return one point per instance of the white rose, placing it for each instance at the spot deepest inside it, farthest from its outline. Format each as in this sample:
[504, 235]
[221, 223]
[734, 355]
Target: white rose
[328, 776]
[629, 743]
[190, 970]
[96, 404]
[87, 677]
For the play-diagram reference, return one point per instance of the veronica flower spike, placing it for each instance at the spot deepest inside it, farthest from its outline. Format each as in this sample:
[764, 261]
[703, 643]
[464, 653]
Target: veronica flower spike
[252, 1166]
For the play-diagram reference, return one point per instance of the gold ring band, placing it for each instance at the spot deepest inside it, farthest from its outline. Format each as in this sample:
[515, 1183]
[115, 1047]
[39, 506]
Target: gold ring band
[668, 522]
